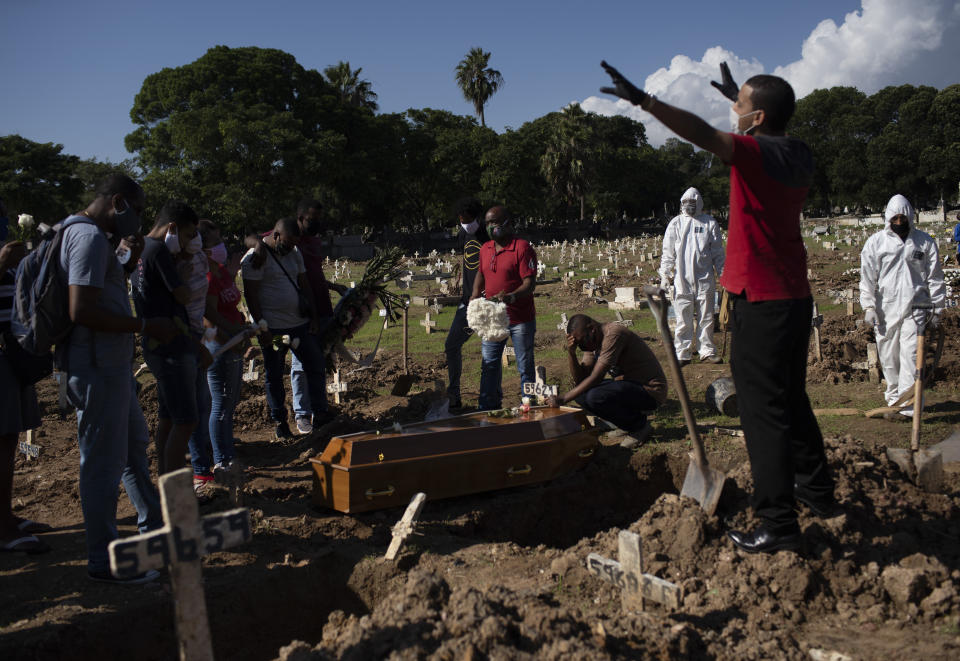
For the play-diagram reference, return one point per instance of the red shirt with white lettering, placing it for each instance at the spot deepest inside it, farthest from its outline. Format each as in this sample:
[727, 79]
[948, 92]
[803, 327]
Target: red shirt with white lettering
[769, 179]
[228, 296]
[505, 270]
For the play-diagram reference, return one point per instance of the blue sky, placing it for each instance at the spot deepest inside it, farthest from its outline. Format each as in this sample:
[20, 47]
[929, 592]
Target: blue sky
[70, 70]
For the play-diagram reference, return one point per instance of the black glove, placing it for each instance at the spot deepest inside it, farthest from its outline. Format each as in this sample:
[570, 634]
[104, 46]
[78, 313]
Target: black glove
[623, 87]
[728, 88]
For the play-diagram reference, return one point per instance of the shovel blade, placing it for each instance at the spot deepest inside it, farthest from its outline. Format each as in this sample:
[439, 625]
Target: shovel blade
[704, 485]
[402, 386]
[929, 464]
[924, 468]
[901, 457]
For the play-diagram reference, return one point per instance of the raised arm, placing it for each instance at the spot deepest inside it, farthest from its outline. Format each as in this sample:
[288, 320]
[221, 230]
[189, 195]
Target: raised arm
[684, 123]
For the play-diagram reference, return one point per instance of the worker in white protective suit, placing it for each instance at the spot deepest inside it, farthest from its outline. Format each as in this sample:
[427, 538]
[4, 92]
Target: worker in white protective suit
[900, 267]
[692, 257]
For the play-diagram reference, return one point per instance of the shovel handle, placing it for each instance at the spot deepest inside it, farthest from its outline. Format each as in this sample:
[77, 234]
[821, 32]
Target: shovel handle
[917, 397]
[657, 300]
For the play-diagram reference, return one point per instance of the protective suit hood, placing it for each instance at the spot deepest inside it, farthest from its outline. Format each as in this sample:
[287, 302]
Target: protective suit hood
[897, 205]
[694, 194]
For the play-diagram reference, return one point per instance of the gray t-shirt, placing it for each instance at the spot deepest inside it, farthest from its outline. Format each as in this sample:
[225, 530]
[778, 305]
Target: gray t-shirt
[88, 259]
[278, 297]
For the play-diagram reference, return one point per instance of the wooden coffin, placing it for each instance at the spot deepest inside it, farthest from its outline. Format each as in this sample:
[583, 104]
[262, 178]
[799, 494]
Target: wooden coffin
[450, 457]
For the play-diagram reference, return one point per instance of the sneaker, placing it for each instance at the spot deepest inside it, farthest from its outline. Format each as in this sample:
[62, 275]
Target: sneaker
[634, 438]
[714, 359]
[303, 425]
[283, 432]
[202, 490]
[139, 579]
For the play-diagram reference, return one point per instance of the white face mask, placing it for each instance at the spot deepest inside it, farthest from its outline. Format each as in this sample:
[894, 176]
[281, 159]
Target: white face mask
[689, 208]
[172, 242]
[195, 245]
[735, 121]
[471, 228]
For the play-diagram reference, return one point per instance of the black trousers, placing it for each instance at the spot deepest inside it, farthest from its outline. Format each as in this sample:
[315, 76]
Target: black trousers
[624, 403]
[769, 364]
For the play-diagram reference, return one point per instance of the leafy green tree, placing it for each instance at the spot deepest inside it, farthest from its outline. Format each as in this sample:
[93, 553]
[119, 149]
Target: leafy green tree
[512, 169]
[941, 157]
[352, 90]
[568, 162]
[834, 125]
[477, 80]
[443, 154]
[239, 133]
[37, 179]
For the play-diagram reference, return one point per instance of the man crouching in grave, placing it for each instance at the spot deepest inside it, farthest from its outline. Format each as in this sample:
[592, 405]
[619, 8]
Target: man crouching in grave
[637, 385]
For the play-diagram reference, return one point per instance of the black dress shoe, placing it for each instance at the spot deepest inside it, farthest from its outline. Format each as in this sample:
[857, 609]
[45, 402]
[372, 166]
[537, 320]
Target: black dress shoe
[762, 540]
[824, 509]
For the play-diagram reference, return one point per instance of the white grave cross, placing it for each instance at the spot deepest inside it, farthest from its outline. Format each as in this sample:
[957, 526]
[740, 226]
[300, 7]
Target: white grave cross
[405, 526]
[428, 323]
[336, 387]
[28, 447]
[180, 544]
[629, 577]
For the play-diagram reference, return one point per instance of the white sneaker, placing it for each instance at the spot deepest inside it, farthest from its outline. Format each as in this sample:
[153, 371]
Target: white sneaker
[304, 426]
[635, 438]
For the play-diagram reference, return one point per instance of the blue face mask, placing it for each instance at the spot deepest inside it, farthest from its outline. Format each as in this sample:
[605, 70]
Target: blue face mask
[128, 221]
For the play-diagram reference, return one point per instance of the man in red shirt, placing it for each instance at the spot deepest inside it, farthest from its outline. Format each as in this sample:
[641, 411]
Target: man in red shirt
[766, 272]
[507, 273]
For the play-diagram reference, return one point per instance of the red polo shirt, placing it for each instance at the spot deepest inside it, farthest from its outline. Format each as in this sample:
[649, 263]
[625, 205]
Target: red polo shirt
[769, 179]
[504, 271]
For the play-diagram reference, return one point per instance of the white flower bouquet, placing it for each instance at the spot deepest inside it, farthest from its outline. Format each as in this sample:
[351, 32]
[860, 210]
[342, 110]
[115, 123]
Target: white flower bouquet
[488, 319]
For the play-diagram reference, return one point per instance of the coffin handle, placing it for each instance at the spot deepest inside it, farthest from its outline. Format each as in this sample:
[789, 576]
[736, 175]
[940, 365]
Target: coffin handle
[586, 452]
[523, 470]
[371, 494]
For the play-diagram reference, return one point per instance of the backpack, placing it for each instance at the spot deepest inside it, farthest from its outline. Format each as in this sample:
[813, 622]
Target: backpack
[41, 307]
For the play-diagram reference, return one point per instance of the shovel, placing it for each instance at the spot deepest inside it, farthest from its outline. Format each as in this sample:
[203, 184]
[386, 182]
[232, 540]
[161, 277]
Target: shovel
[405, 380]
[923, 467]
[702, 483]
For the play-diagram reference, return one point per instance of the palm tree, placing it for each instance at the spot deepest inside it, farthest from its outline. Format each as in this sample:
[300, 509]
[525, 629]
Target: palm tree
[353, 91]
[566, 163]
[477, 81]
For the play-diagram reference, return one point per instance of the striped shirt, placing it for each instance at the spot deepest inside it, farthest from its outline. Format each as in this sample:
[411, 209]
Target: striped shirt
[193, 272]
[7, 286]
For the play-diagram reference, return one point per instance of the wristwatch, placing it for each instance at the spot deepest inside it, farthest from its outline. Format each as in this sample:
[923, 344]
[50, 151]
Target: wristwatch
[510, 298]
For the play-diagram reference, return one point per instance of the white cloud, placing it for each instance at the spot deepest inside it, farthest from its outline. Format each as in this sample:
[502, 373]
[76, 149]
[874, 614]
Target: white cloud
[887, 42]
[877, 46]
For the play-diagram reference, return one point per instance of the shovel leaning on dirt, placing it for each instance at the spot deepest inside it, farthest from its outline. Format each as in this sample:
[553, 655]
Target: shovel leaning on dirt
[923, 467]
[702, 483]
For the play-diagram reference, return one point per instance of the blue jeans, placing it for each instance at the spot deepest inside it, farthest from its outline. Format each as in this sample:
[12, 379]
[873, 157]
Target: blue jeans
[223, 379]
[299, 383]
[311, 357]
[199, 443]
[456, 338]
[113, 440]
[624, 403]
[491, 395]
[176, 385]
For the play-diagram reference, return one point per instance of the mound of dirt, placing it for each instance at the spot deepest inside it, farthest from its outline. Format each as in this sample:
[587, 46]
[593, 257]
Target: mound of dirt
[886, 556]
